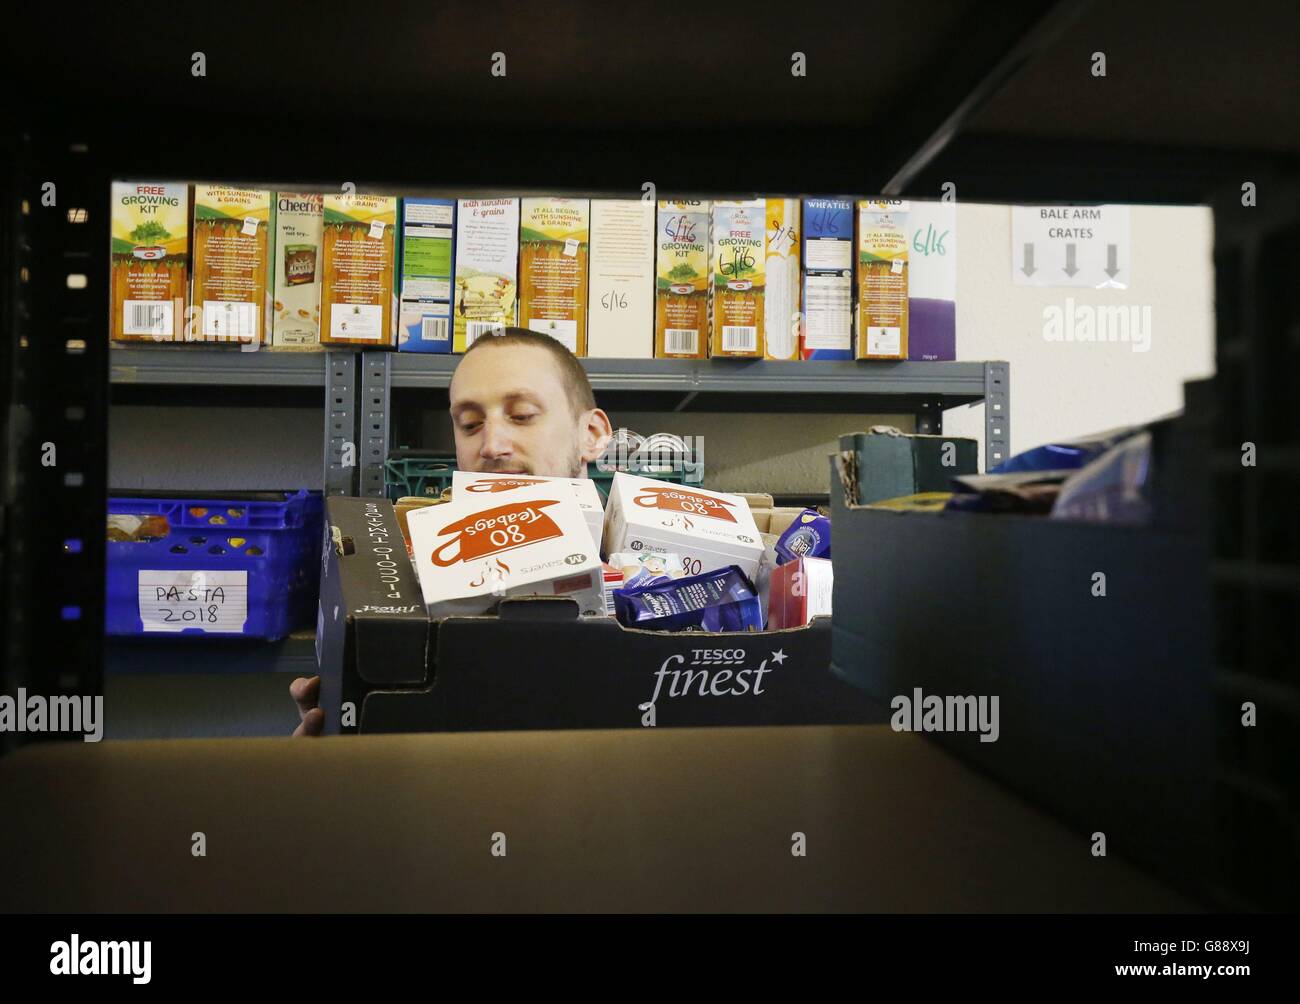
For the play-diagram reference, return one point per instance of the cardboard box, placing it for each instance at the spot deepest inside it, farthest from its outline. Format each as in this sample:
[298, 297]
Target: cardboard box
[406, 505]
[428, 228]
[706, 529]
[891, 465]
[800, 591]
[299, 222]
[781, 310]
[371, 626]
[150, 226]
[487, 259]
[358, 288]
[932, 288]
[828, 279]
[469, 484]
[738, 269]
[682, 280]
[553, 248]
[230, 283]
[530, 541]
[882, 279]
[621, 309]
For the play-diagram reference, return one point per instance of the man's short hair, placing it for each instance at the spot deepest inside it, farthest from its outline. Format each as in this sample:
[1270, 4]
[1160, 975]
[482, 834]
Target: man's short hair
[574, 376]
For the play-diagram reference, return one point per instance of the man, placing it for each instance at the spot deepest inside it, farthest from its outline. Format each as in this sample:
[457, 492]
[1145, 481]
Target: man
[520, 404]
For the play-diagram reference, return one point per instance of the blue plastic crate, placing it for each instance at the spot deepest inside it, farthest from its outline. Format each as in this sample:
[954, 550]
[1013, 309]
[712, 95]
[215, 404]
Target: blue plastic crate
[243, 564]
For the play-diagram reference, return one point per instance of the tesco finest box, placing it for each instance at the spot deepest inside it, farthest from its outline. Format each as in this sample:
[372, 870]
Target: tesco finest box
[471, 553]
[706, 529]
[465, 484]
[371, 626]
[539, 666]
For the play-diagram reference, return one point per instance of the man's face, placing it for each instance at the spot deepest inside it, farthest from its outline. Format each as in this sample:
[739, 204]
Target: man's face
[511, 413]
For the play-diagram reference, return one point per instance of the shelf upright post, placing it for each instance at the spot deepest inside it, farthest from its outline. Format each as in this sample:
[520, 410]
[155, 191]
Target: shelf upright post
[340, 423]
[997, 413]
[374, 413]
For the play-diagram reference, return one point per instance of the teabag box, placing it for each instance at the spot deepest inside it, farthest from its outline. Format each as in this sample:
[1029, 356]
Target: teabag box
[481, 548]
[466, 484]
[707, 529]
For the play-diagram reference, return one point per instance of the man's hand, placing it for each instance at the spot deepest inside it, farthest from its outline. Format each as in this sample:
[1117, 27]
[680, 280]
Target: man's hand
[306, 692]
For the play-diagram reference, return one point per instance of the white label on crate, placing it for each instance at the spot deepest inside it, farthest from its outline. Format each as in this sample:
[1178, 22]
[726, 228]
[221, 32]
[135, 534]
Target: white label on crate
[173, 601]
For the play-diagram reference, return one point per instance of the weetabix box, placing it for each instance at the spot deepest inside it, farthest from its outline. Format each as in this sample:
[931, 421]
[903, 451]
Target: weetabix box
[299, 219]
[738, 265]
[682, 280]
[553, 254]
[358, 295]
[828, 279]
[428, 237]
[532, 541]
[883, 237]
[149, 225]
[621, 311]
[467, 484]
[782, 300]
[707, 530]
[487, 258]
[230, 282]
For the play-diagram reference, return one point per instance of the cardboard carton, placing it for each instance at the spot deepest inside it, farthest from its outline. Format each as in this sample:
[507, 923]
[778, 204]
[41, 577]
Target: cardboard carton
[531, 541]
[707, 529]
[800, 590]
[470, 484]
[230, 282]
[781, 308]
[932, 288]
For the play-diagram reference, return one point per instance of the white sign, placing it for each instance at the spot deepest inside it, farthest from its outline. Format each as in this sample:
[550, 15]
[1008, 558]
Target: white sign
[1086, 246]
[216, 602]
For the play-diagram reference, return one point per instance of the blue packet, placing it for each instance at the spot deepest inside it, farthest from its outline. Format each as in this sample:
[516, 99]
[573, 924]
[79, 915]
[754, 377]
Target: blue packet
[721, 600]
[809, 536]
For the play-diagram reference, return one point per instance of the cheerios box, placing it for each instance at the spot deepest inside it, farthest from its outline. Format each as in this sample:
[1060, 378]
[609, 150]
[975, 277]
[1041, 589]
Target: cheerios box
[706, 529]
[465, 484]
[485, 546]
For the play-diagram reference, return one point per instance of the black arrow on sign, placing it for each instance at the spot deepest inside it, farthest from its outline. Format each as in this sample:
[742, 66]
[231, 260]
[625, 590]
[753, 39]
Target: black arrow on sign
[1028, 268]
[1070, 270]
[1111, 268]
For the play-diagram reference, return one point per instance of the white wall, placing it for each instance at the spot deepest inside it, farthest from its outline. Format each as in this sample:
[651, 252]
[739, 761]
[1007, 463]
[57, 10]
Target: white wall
[1063, 389]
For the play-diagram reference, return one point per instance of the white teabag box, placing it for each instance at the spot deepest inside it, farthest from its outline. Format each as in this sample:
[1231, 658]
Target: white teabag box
[707, 529]
[483, 547]
[467, 483]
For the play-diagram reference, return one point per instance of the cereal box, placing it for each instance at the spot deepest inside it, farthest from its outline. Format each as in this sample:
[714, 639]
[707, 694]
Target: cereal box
[298, 224]
[828, 279]
[738, 266]
[682, 280]
[487, 256]
[883, 237]
[553, 247]
[621, 310]
[358, 295]
[781, 304]
[150, 225]
[428, 226]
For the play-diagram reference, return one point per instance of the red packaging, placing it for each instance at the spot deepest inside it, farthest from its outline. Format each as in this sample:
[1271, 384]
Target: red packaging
[800, 591]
